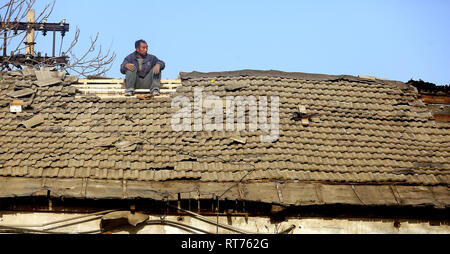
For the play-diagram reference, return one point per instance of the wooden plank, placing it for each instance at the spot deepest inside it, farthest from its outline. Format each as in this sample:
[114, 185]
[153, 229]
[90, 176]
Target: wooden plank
[175, 81]
[441, 194]
[115, 88]
[261, 192]
[293, 193]
[64, 187]
[122, 90]
[170, 85]
[19, 186]
[148, 91]
[445, 117]
[300, 194]
[114, 81]
[436, 99]
[102, 91]
[100, 81]
[375, 194]
[104, 189]
[110, 96]
[110, 86]
[339, 194]
[99, 86]
[416, 196]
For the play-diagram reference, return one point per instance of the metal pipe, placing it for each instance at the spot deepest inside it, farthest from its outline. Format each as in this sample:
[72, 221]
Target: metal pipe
[36, 231]
[54, 35]
[73, 223]
[4, 43]
[59, 221]
[202, 218]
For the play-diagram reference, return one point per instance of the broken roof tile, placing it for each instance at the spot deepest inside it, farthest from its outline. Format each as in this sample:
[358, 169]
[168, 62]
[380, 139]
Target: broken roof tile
[36, 120]
[360, 133]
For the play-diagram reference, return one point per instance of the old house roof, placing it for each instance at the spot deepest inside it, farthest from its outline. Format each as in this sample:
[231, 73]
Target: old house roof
[368, 142]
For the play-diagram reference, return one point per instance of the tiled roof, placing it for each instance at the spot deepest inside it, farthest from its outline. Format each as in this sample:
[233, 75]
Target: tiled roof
[368, 141]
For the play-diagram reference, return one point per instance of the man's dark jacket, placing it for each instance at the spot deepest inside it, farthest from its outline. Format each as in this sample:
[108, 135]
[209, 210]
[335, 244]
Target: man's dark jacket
[149, 62]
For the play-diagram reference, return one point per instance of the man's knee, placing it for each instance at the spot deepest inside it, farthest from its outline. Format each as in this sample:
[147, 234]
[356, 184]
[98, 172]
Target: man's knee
[157, 76]
[131, 73]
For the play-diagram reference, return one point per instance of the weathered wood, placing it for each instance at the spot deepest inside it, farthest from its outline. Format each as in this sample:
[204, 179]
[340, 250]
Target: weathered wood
[121, 90]
[300, 194]
[69, 188]
[435, 99]
[445, 117]
[375, 195]
[293, 193]
[101, 189]
[174, 82]
[441, 194]
[101, 81]
[416, 195]
[261, 192]
[339, 194]
[29, 48]
[112, 87]
[115, 88]
[114, 96]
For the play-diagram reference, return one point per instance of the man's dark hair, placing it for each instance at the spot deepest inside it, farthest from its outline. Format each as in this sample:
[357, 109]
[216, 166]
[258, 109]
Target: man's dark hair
[138, 43]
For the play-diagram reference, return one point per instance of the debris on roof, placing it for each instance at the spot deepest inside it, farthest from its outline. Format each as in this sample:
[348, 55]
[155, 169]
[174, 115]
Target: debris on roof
[48, 82]
[436, 98]
[125, 145]
[235, 87]
[371, 135]
[106, 141]
[429, 88]
[21, 93]
[303, 116]
[44, 75]
[16, 106]
[190, 140]
[35, 120]
[71, 79]
[239, 139]
[366, 77]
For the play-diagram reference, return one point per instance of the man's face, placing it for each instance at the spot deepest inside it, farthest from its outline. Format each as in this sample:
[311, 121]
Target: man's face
[142, 49]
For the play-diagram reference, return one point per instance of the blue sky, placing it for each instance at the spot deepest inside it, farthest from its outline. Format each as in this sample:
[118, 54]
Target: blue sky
[396, 39]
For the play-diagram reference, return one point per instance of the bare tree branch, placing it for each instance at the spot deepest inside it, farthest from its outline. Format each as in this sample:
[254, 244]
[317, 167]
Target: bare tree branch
[16, 11]
[92, 62]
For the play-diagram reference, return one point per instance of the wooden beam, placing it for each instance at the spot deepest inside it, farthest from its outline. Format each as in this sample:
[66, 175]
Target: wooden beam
[107, 83]
[58, 27]
[106, 87]
[115, 96]
[445, 117]
[115, 88]
[23, 59]
[436, 99]
[121, 90]
[29, 48]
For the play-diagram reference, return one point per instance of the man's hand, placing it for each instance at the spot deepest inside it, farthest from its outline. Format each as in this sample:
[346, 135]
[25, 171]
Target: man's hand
[156, 69]
[130, 67]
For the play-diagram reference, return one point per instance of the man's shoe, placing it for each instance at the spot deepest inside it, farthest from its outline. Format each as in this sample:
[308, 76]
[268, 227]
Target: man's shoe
[129, 93]
[156, 93]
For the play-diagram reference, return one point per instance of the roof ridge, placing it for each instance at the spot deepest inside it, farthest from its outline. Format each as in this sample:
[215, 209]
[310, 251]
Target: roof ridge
[276, 73]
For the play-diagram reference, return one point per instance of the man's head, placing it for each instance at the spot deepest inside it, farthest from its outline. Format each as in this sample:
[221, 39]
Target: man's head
[141, 47]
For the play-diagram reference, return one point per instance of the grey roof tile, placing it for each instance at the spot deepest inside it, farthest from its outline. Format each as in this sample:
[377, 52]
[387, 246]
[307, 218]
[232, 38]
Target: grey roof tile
[357, 137]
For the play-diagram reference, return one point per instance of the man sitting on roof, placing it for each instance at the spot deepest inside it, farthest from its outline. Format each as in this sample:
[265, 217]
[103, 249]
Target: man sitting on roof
[142, 70]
